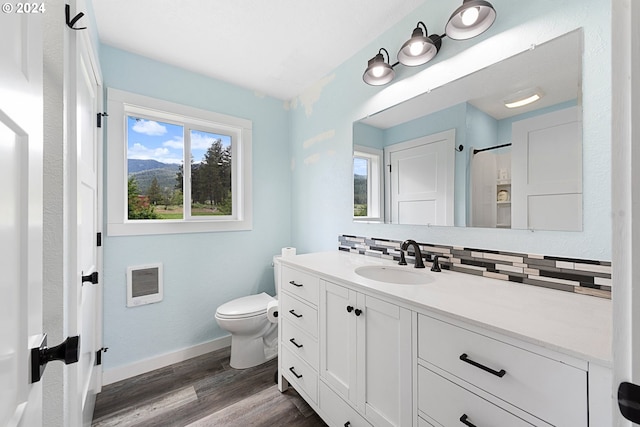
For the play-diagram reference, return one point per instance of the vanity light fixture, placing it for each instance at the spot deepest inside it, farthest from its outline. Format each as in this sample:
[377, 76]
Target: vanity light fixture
[419, 49]
[471, 19]
[378, 71]
[524, 97]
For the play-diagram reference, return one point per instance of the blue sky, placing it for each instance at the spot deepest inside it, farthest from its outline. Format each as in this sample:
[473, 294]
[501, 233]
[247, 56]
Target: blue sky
[164, 142]
[359, 166]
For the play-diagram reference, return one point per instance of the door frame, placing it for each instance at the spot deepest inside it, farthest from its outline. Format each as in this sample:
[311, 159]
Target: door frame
[60, 129]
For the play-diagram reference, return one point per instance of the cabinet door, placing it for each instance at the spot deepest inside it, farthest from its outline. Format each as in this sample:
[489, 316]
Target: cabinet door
[384, 362]
[338, 339]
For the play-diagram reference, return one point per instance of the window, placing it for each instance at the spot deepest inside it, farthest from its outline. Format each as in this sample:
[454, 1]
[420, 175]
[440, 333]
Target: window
[175, 169]
[367, 174]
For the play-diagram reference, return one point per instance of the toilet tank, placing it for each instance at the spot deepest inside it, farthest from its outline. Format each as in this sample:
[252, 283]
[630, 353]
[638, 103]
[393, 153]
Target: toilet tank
[276, 271]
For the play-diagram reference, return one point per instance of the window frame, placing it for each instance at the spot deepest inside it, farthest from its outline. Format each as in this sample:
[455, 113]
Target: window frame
[122, 104]
[375, 195]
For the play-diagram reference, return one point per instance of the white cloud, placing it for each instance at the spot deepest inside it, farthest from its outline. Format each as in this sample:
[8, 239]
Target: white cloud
[201, 142]
[161, 154]
[149, 127]
[177, 142]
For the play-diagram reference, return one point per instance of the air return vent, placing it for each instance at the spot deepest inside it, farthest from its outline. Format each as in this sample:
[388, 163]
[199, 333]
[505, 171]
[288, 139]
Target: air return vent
[144, 284]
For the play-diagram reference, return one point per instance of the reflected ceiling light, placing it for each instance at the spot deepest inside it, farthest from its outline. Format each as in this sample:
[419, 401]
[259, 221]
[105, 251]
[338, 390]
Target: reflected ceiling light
[471, 19]
[378, 71]
[524, 97]
[419, 49]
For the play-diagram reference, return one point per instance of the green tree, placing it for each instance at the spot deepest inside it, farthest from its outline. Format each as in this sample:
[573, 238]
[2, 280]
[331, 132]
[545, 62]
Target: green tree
[139, 206]
[154, 192]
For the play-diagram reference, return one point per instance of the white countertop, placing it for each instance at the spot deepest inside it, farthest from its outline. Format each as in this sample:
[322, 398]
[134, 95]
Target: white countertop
[574, 324]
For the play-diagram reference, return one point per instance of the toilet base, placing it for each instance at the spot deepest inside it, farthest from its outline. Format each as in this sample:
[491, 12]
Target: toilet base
[248, 352]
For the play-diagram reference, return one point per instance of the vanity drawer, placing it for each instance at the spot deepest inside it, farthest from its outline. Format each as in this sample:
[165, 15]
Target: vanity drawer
[299, 314]
[300, 344]
[546, 388]
[446, 403]
[299, 374]
[337, 410]
[300, 284]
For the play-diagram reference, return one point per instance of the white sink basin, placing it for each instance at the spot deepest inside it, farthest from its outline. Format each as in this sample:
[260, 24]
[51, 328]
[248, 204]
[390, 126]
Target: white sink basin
[398, 275]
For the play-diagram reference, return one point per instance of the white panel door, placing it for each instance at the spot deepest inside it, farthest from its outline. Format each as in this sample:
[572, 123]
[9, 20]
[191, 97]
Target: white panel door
[547, 188]
[21, 251]
[338, 339]
[84, 310]
[384, 362]
[421, 177]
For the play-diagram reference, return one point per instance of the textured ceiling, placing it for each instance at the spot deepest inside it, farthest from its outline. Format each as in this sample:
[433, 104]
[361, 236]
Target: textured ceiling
[276, 47]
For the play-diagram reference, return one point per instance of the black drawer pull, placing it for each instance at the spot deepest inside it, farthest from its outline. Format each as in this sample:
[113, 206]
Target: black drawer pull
[299, 285]
[293, 341]
[295, 314]
[463, 420]
[347, 424]
[499, 373]
[295, 373]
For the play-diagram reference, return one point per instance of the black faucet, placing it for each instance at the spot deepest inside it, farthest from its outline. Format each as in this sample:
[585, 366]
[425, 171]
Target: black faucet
[436, 267]
[416, 250]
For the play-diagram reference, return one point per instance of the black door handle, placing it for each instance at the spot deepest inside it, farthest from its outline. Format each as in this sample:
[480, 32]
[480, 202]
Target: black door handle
[349, 309]
[67, 352]
[466, 359]
[92, 278]
[629, 401]
[295, 314]
[358, 312]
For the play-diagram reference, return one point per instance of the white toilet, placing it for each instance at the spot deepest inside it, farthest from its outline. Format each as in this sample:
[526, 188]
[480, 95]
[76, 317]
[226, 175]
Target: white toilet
[254, 339]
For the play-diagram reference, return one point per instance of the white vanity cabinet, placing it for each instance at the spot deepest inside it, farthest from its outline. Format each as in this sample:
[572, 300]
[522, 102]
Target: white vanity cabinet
[365, 355]
[493, 381]
[298, 332]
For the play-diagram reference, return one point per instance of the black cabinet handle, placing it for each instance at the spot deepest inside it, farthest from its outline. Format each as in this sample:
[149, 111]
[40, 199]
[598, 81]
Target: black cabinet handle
[466, 359]
[293, 341]
[299, 285]
[295, 314]
[347, 424]
[358, 312]
[293, 371]
[463, 420]
[349, 309]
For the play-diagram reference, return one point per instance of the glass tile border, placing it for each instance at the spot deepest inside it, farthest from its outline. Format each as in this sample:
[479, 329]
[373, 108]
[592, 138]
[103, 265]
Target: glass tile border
[580, 276]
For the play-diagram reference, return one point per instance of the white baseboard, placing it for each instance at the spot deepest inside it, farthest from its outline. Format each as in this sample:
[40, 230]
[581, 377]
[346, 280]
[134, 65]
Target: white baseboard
[153, 363]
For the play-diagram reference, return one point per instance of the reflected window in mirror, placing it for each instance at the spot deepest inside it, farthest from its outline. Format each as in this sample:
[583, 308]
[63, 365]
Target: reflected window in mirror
[367, 184]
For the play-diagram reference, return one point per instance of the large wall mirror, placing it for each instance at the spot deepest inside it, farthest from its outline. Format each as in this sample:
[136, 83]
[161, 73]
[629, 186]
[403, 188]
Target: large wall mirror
[501, 147]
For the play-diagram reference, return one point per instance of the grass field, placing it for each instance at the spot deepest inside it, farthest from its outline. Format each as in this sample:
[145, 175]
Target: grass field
[176, 212]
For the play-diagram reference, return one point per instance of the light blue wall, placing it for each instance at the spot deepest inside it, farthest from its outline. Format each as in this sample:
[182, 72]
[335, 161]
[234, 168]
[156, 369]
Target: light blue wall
[201, 271]
[321, 197]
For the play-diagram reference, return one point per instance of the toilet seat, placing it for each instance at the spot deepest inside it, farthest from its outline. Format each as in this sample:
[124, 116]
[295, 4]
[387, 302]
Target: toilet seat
[249, 306]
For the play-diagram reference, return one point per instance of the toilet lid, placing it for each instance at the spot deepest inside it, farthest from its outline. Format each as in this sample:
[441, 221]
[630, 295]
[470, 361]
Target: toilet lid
[251, 305]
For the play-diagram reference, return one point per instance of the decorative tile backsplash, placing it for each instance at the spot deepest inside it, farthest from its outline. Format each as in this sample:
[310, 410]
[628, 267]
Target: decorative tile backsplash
[582, 276]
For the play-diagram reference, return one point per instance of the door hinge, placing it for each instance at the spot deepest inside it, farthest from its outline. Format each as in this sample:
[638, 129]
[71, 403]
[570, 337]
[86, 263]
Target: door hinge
[99, 239]
[99, 118]
[93, 278]
[99, 355]
[66, 352]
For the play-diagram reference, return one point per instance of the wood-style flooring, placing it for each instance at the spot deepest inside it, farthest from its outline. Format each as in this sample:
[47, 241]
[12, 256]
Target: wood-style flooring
[201, 392]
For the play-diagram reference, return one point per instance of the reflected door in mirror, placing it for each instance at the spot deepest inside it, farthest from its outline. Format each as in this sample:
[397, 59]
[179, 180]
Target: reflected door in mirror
[547, 171]
[421, 177]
